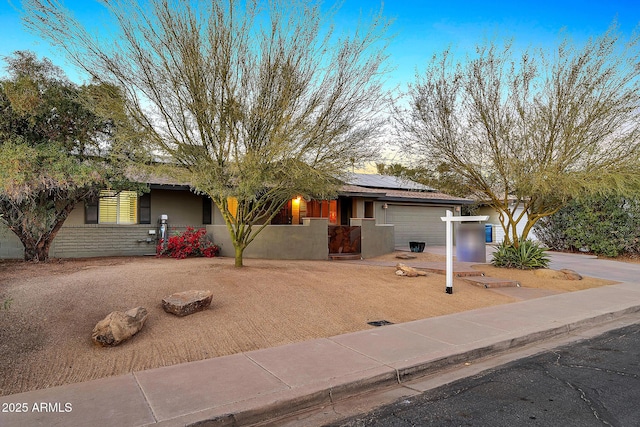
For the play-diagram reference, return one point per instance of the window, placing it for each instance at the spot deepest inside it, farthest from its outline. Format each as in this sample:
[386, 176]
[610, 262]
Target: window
[232, 204]
[206, 210]
[118, 207]
[144, 209]
[91, 212]
[368, 210]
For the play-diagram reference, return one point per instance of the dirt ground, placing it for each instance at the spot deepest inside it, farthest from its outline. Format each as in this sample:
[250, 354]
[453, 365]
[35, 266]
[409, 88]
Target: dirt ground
[45, 335]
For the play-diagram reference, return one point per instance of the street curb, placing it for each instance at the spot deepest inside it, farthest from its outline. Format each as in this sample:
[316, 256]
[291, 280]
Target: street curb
[270, 412]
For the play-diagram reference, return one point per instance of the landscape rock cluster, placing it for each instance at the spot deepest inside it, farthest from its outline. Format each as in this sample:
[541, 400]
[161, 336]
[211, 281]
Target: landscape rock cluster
[119, 326]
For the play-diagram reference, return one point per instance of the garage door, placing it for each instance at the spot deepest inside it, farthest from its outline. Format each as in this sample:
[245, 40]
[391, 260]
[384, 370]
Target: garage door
[417, 223]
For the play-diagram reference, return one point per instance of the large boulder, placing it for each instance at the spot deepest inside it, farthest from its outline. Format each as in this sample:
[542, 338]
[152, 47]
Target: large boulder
[187, 302]
[119, 326]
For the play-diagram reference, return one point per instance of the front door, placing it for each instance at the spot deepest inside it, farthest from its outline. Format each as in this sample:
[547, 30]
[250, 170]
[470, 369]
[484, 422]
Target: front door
[344, 204]
[284, 216]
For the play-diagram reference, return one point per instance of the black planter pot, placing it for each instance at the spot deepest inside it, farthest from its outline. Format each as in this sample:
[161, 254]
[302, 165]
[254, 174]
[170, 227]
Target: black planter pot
[416, 246]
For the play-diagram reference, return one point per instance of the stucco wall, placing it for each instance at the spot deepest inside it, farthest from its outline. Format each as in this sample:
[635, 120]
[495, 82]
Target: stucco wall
[183, 207]
[306, 241]
[375, 239]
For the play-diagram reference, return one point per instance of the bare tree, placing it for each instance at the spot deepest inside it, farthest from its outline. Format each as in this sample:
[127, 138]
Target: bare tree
[538, 128]
[259, 101]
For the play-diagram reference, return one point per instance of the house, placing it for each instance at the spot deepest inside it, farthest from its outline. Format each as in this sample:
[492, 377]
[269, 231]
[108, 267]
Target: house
[498, 226]
[412, 208]
[372, 215]
[122, 224]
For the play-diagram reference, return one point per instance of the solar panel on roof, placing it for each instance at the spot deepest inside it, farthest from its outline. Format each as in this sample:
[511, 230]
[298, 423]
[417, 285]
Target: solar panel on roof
[386, 181]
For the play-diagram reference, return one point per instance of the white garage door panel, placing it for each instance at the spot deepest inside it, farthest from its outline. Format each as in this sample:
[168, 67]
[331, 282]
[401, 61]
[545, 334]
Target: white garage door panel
[417, 223]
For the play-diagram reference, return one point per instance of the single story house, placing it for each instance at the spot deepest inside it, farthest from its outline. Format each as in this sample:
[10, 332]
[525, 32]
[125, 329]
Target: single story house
[372, 215]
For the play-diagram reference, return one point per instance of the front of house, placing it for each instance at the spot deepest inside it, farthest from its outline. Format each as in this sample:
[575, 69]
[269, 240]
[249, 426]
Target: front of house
[372, 215]
[496, 233]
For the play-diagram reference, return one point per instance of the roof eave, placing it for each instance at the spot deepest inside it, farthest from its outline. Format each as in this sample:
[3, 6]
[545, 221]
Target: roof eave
[427, 201]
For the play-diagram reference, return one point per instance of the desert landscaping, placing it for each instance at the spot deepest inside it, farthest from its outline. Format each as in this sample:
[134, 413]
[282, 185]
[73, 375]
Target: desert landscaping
[45, 339]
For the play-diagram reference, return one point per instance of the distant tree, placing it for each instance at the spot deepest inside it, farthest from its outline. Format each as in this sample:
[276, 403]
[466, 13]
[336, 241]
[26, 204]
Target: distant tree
[259, 101]
[396, 169]
[55, 150]
[540, 128]
[439, 178]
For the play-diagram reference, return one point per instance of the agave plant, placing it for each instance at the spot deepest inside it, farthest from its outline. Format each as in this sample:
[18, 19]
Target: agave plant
[527, 256]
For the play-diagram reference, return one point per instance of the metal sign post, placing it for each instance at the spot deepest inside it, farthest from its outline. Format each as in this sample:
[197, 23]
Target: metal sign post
[449, 219]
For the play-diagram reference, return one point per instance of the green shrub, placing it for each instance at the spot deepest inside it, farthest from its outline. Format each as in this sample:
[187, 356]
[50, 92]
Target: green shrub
[527, 256]
[603, 225]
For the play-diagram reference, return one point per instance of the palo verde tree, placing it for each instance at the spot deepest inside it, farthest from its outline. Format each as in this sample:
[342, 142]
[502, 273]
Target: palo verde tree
[537, 127]
[259, 101]
[55, 150]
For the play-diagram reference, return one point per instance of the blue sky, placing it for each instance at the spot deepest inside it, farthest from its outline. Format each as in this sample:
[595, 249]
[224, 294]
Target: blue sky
[422, 27]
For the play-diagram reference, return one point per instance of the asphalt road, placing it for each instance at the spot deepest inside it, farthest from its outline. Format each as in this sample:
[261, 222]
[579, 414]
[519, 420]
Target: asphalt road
[589, 383]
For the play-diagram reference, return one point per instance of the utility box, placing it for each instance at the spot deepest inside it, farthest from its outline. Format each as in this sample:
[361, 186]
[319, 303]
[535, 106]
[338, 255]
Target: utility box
[488, 232]
[163, 231]
[470, 243]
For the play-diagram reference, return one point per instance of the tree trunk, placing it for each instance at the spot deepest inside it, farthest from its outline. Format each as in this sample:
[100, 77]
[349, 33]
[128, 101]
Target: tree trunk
[36, 248]
[239, 252]
[37, 252]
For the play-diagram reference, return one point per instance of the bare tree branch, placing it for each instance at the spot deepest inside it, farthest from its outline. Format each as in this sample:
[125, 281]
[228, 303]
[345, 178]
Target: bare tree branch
[540, 129]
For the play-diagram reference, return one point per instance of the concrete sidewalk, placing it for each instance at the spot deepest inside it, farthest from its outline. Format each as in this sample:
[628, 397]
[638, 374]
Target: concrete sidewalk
[251, 387]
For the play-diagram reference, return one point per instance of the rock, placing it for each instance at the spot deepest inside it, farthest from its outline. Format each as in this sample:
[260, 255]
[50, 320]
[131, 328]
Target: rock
[564, 274]
[400, 273]
[118, 326]
[409, 271]
[187, 302]
[406, 256]
[546, 273]
[570, 274]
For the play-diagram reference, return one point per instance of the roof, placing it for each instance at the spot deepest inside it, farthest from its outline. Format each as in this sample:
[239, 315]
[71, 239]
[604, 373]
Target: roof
[394, 195]
[156, 179]
[394, 189]
[386, 182]
[387, 195]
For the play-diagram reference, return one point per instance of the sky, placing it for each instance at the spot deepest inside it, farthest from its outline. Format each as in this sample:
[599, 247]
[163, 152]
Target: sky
[422, 28]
